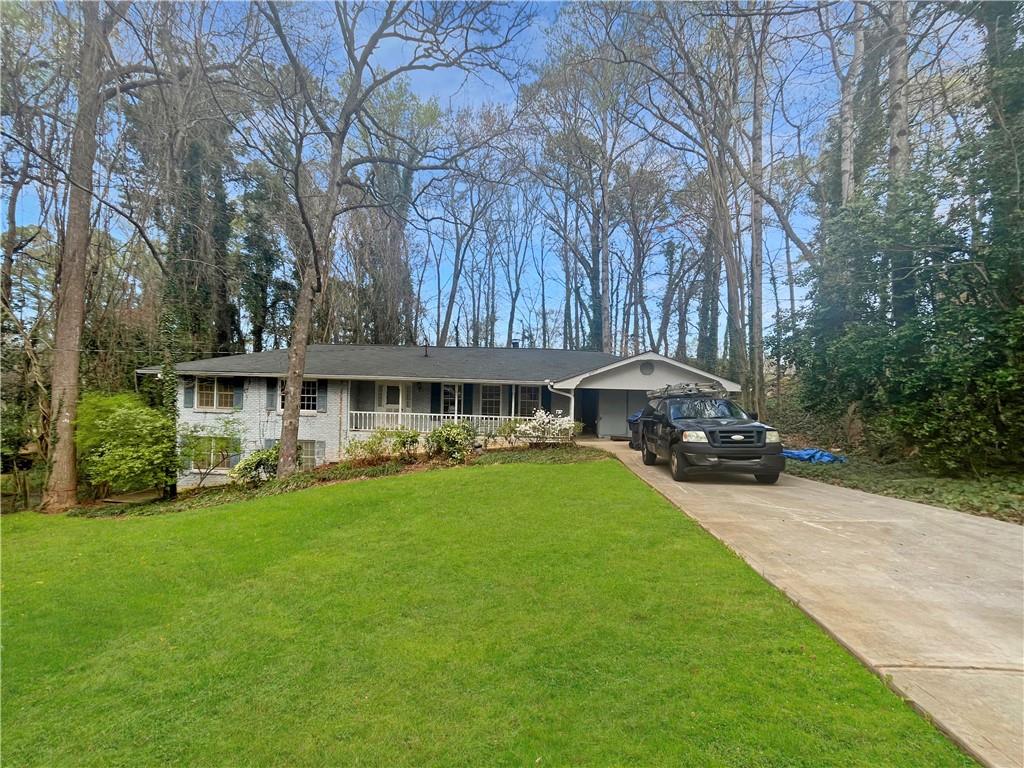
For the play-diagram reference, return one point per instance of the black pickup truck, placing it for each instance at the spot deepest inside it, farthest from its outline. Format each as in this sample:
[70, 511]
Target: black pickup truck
[697, 431]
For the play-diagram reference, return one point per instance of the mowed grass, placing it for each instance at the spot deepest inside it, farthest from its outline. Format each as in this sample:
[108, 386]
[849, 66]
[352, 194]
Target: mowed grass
[500, 615]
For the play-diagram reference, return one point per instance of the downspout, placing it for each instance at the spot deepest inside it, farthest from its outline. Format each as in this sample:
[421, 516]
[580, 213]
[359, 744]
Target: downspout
[571, 394]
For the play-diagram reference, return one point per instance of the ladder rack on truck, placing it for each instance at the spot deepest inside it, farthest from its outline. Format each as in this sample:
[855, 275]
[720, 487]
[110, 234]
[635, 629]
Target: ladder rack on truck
[695, 388]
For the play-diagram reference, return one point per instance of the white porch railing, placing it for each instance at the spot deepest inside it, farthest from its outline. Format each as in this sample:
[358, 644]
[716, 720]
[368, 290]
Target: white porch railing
[367, 421]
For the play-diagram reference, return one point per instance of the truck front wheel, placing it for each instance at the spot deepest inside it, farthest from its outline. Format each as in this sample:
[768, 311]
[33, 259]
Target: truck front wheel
[768, 479]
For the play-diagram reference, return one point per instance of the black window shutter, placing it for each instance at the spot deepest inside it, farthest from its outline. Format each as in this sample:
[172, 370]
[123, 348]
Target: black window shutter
[435, 397]
[272, 391]
[321, 395]
[239, 394]
[509, 388]
[545, 399]
[467, 398]
[190, 393]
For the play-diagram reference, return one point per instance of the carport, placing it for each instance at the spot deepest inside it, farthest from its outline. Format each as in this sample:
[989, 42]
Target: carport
[604, 397]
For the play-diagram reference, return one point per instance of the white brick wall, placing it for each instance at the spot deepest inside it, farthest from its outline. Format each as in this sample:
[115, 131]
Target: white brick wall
[259, 424]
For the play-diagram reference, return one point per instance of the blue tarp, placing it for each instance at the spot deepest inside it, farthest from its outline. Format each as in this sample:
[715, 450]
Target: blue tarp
[815, 456]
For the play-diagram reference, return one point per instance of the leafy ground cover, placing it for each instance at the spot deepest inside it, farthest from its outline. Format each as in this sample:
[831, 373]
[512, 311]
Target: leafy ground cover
[519, 614]
[998, 496]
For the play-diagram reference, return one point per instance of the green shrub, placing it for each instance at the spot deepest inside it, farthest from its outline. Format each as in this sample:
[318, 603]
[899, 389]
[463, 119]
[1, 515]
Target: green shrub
[404, 442]
[509, 430]
[94, 408]
[258, 467]
[453, 442]
[384, 444]
[136, 449]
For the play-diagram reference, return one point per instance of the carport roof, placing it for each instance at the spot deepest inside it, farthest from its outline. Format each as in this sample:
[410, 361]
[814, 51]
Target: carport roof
[356, 361]
[687, 372]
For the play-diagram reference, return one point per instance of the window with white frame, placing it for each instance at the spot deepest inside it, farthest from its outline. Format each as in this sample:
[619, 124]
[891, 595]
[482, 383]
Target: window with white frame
[451, 398]
[490, 400]
[307, 454]
[212, 453]
[216, 394]
[529, 400]
[307, 398]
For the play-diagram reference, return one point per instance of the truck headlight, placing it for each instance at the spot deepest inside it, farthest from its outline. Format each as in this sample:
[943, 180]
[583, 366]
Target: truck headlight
[772, 436]
[694, 436]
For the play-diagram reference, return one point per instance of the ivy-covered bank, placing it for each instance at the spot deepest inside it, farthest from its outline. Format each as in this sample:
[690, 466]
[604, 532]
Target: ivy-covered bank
[358, 469]
[1000, 496]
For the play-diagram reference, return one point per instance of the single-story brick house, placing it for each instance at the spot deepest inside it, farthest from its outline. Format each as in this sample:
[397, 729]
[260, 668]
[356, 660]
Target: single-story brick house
[350, 390]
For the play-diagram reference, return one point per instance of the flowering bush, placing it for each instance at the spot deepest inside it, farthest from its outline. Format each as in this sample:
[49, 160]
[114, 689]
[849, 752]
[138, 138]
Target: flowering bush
[453, 441]
[547, 427]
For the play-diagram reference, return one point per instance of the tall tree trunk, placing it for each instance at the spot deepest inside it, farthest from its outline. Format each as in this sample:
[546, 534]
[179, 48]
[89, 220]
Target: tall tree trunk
[453, 292]
[737, 357]
[600, 285]
[847, 125]
[708, 307]
[774, 278]
[606, 268]
[286, 463]
[757, 397]
[901, 261]
[310, 283]
[543, 300]
[11, 235]
[791, 283]
[683, 311]
[62, 484]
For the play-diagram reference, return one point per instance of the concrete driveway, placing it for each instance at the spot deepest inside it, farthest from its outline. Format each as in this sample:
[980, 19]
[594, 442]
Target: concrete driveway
[932, 600]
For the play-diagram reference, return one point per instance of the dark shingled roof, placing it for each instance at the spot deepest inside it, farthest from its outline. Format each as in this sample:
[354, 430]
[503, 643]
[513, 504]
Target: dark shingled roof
[390, 362]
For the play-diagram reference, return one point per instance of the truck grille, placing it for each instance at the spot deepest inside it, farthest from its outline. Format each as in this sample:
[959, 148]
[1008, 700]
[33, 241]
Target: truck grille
[738, 438]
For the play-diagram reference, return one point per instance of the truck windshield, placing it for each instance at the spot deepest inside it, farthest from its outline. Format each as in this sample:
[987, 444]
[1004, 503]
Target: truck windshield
[704, 408]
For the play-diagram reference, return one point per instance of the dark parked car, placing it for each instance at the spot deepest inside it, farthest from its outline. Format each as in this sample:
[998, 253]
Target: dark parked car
[697, 430]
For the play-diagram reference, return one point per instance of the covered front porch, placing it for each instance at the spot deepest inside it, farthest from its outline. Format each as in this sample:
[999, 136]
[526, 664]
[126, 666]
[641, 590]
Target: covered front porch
[425, 405]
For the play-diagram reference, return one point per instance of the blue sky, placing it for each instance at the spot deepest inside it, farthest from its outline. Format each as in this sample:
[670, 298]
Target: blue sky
[455, 89]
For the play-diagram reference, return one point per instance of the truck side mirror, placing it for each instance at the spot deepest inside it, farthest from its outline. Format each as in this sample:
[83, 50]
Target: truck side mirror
[753, 415]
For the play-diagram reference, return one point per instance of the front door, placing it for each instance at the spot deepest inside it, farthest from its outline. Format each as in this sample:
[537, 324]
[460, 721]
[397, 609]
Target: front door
[451, 399]
[391, 398]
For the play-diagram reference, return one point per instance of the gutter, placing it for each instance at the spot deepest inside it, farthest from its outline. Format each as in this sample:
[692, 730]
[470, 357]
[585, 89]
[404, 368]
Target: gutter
[346, 377]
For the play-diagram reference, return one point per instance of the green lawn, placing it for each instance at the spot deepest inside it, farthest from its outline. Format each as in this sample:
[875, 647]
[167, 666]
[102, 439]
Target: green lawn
[535, 615]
